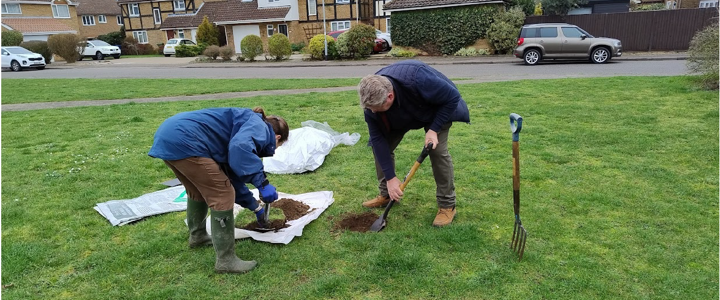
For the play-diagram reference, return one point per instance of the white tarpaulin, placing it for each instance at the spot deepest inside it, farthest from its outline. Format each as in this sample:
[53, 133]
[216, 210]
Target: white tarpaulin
[306, 148]
[318, 202]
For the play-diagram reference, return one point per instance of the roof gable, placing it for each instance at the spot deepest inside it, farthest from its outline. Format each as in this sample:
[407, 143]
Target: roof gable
[98, 7]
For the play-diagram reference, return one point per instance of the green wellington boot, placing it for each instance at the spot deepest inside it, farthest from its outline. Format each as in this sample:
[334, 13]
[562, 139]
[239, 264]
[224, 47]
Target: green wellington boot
[196, 215]
[223, 237]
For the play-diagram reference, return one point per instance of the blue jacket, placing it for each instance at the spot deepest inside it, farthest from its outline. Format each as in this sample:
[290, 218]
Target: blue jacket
[234, 137]
[424, 98]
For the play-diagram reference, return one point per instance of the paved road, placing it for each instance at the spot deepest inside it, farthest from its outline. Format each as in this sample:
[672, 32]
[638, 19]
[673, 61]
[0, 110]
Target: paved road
[480, 72]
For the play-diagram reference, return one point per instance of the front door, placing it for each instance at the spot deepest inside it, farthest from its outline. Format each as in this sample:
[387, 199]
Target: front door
[170, 34]
[282, 28]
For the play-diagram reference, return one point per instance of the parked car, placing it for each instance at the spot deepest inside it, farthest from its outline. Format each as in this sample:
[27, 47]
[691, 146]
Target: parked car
[16, 58]
[172, 43]
[385, 36]
[380, 44]
[563, 41]
[98, 50]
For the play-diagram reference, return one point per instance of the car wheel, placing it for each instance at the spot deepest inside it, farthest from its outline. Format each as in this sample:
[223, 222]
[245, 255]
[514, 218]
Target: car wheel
[41, 68]
[80, 58]
[15, 66]
[99, 56]
[167, 55]
[117, 56]
[532, 57]
[600, 55]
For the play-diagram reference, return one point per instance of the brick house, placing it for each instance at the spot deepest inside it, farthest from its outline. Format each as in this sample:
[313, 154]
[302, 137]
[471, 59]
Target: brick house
[98, 17]
[341, 14]
[38, 19]
[143, 18]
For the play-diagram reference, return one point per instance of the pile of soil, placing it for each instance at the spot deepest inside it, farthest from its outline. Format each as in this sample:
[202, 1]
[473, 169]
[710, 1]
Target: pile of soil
[292, 210]
[356, 222]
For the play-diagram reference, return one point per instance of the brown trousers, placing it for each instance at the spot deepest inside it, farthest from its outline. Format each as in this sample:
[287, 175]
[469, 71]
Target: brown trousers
[204, 181]
[442, 167]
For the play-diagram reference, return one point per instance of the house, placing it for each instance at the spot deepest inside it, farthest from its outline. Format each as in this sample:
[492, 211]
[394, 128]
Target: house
[677, 4]
[38, 19]
[341, 14]
[601, 7]
[143, 18]
[98, 17]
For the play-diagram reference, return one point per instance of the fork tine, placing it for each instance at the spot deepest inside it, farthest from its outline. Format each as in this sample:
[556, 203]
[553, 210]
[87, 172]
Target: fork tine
[524, 238]
[514, 235]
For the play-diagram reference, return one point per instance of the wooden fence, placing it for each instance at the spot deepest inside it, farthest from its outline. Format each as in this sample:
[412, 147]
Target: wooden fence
[642, 30]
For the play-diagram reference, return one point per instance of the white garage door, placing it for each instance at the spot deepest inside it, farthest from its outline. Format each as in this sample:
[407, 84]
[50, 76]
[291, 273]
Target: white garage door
[241, 31]
[35, 37]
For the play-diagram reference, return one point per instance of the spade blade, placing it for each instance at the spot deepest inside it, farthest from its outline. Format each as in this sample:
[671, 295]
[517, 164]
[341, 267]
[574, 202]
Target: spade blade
[381, 222]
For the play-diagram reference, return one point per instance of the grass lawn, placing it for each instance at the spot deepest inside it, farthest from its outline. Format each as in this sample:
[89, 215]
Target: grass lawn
[77, 89]
[619, 188]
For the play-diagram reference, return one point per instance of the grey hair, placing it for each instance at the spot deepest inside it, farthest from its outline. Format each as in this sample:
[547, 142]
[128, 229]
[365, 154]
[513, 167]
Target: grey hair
[374, 90]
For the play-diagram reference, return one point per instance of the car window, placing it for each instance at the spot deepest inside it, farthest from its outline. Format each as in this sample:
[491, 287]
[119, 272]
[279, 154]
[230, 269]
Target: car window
[172, 42]
[4, 52]
[187, 42]
[548, 32]
[585, 32]
[99, 43]
[18, 50]
[529, 33]
[571, 32]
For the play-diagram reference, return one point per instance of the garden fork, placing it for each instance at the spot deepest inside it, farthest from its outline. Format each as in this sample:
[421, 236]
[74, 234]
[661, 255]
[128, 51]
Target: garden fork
[519, 233]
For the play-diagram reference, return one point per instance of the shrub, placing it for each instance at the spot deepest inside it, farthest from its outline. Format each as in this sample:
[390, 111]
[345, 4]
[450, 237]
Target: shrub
[560, 7]
[503, 33]
[65, 45]
[113, 38]
[703, 56]
[297, 47]
[129, 46]
[538, 9]
[207, 33]
[471, 51]
[251, 46]
[401, 52]
[356, 42]
[279, 46]
[316, 47]
[40, 47]
[212, 51]
[11, 38]
[226, 52]
[186, 51]
[527, 6]
[145, 49]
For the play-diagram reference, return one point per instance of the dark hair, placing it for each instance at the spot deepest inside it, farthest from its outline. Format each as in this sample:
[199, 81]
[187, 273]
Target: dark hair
[278, 124]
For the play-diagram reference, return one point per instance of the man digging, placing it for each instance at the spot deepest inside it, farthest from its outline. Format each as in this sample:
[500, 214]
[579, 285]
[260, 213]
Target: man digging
[401, 97]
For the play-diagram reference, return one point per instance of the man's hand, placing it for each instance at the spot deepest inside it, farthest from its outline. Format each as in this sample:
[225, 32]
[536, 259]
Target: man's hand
[393, 186]
[268, 193]
[431, 137]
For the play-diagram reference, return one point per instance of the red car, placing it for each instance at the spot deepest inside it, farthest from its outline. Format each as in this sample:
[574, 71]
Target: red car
[380, 44]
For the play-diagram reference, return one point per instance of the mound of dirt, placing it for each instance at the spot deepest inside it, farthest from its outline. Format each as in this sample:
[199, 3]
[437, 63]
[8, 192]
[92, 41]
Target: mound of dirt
[356, 222]
[291, 209]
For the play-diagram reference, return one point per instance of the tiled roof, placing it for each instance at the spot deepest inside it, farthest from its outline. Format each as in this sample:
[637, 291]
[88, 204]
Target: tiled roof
[98, 7]
[48, 2]
[29, 25]
[409, 4]
[229, 11]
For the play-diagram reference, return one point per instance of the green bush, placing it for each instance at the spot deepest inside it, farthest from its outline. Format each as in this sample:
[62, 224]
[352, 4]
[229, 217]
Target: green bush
[703, 56]
[226, 52]
[560, 7]
[527, 6]
[503, 33]
[251, 46]
[356, 42]
[297, 47]
[207, 33]
[187, 50]
[65, 45]
[400, 52]
[129, 46]
[279, 46]
[113, 38]
[40, 47]
[212, 51]
[146, 49]
[471, 52]
[11, 38]
[316, 47]
[444, 30]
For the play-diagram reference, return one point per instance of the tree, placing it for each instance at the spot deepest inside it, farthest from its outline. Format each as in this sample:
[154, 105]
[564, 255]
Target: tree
[207, 33]
[11, 38]
[505, 29]
[703, 55]
[538, 9]
[66, 46]
[560, 7]
[527, 6]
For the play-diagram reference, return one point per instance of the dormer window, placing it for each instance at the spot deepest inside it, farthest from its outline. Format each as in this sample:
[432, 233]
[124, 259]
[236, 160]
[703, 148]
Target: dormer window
[134, 9]
[61, 11]
[179, 4]
[11, 8]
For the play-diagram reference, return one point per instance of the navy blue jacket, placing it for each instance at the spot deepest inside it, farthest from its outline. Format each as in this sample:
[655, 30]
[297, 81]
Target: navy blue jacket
[233, 137]
[424, 98]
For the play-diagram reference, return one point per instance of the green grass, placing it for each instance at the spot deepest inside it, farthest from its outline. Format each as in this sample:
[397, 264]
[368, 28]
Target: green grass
[619, 196]
[56, 90]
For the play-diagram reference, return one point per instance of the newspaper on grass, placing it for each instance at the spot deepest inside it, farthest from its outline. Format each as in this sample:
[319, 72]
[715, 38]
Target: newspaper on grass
[121, 212]
[318, 202]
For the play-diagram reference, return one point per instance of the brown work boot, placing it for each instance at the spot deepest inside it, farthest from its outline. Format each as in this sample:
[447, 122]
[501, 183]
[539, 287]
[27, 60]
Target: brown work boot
[444, 216]
[379, 201]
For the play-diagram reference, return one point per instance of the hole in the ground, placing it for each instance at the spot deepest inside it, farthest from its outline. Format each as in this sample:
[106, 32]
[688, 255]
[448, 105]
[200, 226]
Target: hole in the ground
[281, 211]
[355, 222]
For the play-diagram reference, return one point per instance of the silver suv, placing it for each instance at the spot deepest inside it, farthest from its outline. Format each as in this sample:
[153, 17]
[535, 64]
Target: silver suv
[558, 40]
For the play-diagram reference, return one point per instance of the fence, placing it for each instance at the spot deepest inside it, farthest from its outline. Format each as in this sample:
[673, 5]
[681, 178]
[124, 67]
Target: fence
[642, 30]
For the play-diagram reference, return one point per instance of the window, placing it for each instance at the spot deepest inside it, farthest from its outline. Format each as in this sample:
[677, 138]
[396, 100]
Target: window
[270, 30]
[181, 33]
[312, 7]
[548, 32]
[88, 20]
[703, 4]
[340, 25]
[102, 19]
[60, 11]
[119, 19]
[342, 1]
[156, 16]
[282, 28]
[387, 25]
[179, 4]
[14, 8]
[141, 36]
[571, 32]
[134, 9]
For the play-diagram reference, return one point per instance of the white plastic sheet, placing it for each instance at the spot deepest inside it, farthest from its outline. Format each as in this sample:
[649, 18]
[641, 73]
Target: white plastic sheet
[306, 148]
[318, 202]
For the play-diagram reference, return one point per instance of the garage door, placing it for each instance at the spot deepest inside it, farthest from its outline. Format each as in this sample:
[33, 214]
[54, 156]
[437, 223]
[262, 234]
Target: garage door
[241, 31]
[35, 37]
